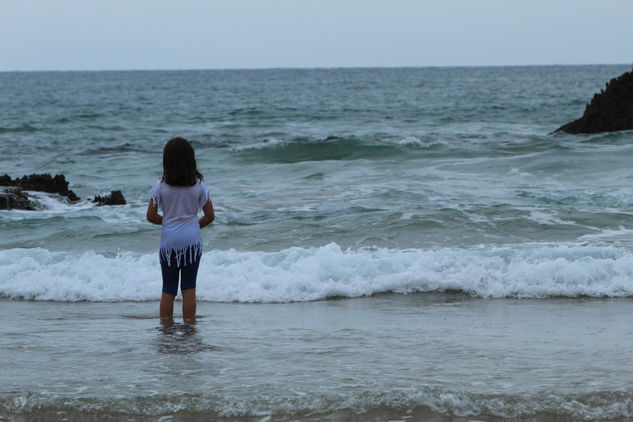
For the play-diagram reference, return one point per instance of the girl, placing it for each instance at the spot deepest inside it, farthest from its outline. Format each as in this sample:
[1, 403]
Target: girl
[179, 194]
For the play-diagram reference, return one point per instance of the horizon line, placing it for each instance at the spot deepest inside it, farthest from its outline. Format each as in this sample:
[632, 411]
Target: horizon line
[308, 68]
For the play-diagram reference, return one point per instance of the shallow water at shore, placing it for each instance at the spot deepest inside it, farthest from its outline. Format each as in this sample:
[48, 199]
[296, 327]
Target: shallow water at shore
[445, 356]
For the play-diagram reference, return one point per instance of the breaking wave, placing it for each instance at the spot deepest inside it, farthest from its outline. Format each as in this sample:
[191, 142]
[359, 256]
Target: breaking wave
[334, 148]
[309, 274]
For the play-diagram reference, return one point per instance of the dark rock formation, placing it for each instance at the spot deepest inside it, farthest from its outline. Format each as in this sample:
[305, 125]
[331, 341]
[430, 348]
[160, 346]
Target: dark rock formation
[610, 110]
[41, 183]
[13, 197]
[115, 198]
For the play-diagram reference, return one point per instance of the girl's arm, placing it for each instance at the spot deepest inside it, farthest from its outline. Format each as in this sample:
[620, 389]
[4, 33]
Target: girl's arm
[209, 215]
[152, 213]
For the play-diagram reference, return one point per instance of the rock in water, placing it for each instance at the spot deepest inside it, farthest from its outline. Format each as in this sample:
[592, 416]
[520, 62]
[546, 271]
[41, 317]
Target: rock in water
[115, 198]
[14, 198]
[41, 183]
[609, 111]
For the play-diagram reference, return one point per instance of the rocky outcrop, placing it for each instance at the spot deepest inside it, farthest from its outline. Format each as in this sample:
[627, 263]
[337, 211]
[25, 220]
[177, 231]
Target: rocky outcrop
[115, 198]
[609, 111]
[41, 183]
[13, 193]
[14, 198]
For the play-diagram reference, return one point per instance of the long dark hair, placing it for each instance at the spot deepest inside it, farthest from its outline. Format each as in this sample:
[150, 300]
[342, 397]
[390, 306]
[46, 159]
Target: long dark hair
[179, 163]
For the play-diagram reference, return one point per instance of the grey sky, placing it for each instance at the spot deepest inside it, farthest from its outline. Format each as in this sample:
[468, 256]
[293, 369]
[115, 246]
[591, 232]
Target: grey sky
[189, 34]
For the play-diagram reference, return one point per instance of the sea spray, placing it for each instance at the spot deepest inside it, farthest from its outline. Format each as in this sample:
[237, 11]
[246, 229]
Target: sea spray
[307, 274]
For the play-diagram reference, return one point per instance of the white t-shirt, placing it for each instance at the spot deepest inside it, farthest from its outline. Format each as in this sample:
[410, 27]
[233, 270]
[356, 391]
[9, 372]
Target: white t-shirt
[180, 232]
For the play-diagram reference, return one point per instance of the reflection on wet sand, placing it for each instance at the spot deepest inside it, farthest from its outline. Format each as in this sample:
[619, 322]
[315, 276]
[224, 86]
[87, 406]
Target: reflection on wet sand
[180, 338]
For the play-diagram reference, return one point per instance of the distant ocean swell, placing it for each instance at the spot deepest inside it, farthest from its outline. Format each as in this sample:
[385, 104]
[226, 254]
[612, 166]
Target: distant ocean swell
[334, 148]
[290, 148]
[420, 404]
[309, 274]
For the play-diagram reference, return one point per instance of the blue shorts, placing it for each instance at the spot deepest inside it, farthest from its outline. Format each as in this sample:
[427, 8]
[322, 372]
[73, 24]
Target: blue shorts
[187, 272]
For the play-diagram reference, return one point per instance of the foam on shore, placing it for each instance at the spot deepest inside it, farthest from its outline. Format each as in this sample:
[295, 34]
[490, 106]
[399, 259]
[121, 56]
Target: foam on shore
[308, 274]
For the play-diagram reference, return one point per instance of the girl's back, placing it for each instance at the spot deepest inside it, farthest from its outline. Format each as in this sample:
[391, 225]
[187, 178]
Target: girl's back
[179, 204]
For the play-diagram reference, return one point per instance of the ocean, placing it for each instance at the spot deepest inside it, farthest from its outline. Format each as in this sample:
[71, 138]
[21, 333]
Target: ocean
[405, 244]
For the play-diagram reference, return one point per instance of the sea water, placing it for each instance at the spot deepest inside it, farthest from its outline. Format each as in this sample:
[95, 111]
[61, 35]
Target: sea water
[406, 244]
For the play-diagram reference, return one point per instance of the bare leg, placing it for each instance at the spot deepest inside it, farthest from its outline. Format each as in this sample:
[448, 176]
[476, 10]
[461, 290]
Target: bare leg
[166, 321]
[188, 303]
[167, 305]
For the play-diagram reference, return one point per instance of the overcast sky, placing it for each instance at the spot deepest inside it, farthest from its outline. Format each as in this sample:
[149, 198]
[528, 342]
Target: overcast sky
[197, 34]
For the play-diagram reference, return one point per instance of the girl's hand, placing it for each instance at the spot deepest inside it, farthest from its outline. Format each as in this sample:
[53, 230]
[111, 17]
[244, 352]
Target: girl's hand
[152, 213]
[209, 215]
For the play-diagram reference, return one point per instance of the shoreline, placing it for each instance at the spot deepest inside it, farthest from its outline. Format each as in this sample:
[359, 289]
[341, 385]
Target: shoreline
[439, 356]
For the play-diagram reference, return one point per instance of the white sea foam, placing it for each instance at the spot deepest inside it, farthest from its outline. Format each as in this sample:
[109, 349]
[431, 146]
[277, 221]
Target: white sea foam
[420, 404]
[547, 218]
[48, 203]
[52, 202]
[622, 234]
[413, 141]
[266, 143]
[307, 274]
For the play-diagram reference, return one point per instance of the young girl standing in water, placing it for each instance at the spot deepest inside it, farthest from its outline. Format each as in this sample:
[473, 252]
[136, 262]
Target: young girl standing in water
[180, 194]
